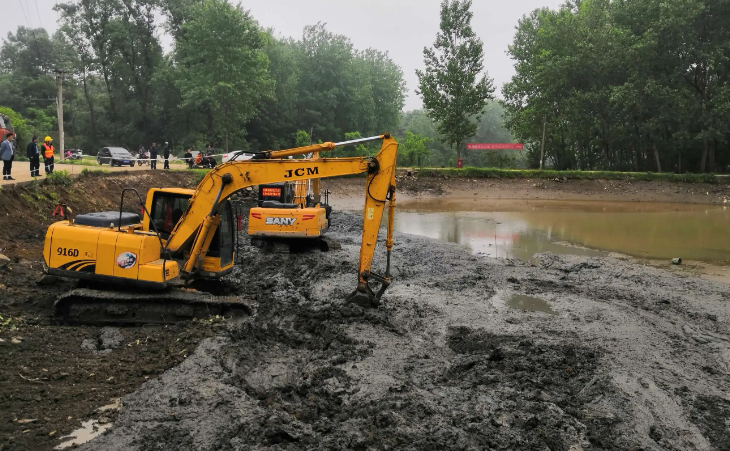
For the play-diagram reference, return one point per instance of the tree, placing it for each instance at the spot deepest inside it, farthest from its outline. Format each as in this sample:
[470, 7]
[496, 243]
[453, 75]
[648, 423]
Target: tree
[224, 79]
[636, 85]
[413, 149]
[220, 70]
[452, 86]
[22, 131]
[302, 139]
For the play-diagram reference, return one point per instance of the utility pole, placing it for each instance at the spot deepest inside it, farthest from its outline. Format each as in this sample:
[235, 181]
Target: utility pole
[59, 112]
[542, 148]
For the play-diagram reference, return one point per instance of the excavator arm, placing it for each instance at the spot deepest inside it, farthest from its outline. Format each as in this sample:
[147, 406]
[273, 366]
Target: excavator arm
[192, 234]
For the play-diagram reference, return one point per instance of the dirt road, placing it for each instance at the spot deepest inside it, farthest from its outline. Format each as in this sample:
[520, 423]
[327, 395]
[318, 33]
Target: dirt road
[22, 174]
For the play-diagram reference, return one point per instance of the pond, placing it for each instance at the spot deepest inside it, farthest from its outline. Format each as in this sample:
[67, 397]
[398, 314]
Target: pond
[522, 228]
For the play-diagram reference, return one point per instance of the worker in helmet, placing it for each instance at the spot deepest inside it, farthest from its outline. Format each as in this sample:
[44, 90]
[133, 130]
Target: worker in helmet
[47, 151]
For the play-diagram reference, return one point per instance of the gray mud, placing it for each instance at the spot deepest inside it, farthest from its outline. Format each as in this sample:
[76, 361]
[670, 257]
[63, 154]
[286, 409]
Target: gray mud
[633, 358]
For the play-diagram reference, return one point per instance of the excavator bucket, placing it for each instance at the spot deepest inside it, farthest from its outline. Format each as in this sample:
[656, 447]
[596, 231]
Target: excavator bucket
[365, 299]
[364, 296]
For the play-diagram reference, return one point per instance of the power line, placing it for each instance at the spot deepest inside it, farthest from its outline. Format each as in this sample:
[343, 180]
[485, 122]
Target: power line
[27, 22]
[38, 12]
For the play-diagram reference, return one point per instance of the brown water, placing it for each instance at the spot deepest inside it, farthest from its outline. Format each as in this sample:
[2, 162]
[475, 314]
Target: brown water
[532, 304]
[520, 228]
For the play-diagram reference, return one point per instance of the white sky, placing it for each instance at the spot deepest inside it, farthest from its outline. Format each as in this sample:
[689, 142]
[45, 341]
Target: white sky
[401, 27]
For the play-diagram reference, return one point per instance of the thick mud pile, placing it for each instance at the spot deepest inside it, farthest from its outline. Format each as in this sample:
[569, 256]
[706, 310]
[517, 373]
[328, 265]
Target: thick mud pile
[634, 358]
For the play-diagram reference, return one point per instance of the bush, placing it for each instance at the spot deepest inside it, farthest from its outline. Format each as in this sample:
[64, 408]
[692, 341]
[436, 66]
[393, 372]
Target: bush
[86, 172]
[471, 172]
[59, 178]
[86, 162]
[199, 175]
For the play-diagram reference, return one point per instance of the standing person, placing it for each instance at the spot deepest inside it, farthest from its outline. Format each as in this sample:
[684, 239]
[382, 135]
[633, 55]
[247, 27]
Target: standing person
[7, 154]
[166, 155]
[48, 159]
[209, 160]
[34, 156]
[153, 156]
[188, 157]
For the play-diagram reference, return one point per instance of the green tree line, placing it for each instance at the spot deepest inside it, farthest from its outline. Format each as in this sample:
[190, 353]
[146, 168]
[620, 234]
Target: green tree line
[637, 85]
[225, 80]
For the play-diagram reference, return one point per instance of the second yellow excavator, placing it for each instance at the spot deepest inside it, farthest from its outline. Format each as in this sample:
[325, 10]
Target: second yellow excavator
[190, 234]
[290, 216]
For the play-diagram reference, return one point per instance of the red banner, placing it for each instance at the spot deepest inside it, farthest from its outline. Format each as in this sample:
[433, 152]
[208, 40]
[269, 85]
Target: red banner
[493, 146]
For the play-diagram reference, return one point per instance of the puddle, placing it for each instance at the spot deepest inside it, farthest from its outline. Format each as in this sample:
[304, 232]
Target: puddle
[88, 431]
[532, 304]
[521, 228]
[115, 404]
[91, 429]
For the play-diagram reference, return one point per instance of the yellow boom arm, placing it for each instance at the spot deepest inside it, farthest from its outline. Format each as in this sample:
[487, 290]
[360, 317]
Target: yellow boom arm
[198, 224]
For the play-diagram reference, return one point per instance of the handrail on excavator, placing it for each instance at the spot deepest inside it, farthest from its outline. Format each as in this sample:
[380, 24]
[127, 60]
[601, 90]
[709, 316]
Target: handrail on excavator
[196, 228]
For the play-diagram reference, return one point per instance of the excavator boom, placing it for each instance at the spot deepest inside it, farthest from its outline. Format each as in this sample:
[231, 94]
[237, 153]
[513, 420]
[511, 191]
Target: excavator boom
[198, 223]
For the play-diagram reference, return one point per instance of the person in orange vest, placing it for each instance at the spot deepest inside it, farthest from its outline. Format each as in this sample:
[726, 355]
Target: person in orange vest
[47, 152]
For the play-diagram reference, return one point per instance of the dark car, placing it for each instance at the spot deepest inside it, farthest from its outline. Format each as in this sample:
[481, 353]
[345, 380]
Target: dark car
[115, 156]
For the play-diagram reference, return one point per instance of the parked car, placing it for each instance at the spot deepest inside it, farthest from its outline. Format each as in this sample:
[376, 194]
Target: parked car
[241, 156]
[115, 156]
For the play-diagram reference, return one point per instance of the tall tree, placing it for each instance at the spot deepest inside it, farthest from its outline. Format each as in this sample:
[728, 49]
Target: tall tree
[453, 86]
[220, 70]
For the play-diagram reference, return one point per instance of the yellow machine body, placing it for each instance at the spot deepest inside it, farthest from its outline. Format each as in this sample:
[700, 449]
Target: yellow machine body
[177, 234]
[106, 254]
[310, 222]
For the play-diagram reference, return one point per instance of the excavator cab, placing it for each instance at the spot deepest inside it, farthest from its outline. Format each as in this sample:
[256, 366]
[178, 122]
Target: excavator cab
[167, 206]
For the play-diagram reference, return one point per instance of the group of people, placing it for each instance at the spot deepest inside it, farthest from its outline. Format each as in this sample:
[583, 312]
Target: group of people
[152, 157]
[206, 161]
[33, 152]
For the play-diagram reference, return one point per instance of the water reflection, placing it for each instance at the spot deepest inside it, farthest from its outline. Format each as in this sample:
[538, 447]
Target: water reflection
[519, 229]
[529, 303]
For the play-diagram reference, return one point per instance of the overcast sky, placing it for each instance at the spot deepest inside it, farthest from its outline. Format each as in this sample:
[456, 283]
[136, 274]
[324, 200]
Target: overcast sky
[401, 27]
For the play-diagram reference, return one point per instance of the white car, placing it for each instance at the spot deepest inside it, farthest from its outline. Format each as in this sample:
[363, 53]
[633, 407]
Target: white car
[241, 156]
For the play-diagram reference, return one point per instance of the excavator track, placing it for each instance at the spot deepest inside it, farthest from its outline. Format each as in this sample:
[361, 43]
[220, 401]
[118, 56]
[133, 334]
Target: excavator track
[101, 307]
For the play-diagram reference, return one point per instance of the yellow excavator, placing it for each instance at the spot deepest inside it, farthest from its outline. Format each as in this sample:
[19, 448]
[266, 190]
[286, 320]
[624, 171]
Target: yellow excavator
[290, 216]
[188, 234]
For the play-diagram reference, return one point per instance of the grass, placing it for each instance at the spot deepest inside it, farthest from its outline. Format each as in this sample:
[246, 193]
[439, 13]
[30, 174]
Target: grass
[85, 162]
[59, 178]
[86, 172]
[199, 175]
[471, 172]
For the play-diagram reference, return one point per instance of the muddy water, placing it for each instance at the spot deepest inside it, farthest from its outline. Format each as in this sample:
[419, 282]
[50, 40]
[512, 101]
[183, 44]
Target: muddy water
[530, 303]
[89, 430]
[521, 228]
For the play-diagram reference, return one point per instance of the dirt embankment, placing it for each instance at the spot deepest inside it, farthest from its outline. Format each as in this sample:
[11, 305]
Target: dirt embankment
[558, 189]
[633, 358]
[25, 212]
[52, 377]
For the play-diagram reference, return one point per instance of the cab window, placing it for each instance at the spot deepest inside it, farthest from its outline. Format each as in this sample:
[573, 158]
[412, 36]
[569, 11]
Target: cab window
[167, 209]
